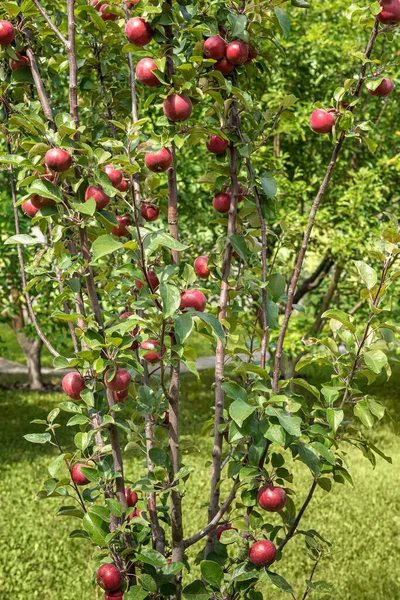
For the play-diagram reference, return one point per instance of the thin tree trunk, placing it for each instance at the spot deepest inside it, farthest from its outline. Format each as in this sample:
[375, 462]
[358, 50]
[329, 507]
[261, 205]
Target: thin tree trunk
[32, 349]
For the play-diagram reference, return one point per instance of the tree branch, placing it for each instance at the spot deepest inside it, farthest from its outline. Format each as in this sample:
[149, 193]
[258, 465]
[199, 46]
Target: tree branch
[50, 23]
[295, 525]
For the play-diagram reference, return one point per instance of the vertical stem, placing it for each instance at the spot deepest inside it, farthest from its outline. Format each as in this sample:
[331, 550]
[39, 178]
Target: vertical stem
[44, 101]
[73, 68]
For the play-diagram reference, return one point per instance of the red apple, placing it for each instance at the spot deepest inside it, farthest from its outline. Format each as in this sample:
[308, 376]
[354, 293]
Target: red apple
[123, 186]
[384, 89]
[193, 299]
[200, 266]
[144, 72]
[149, 212]
[77, 476]
[221, 529]
[121, 230]
[73, 384]
[159, 161]
[120, 381]
[7, 33]
[107, 16]
[109, 578]
[390, 12]
[95, 3]
[138, 31]
[114, 174]
[23, 61]
[47, 175]
[38, 202]
[242, 190]
[271, 498]
[222, 202]
[121, 396]
[58, 160]
[117, 595]
[177, 108]
[224, 66]
[262, 553]
[29, 209]
[131, 497]
[135, 513]
[214, 47]
[99, 196]
[322, 121]
[237, 52]
[155, 355]
[216, 144]
[253, 53]
[153, 279]
[166, 418]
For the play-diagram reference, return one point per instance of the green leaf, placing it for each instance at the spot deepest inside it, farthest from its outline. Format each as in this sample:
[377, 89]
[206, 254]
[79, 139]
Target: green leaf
[96, 528]
[375, 360]
[44, 188]
[56, 464]
[238, 24]
[158, 456]
[309, 457]
[279, 581]
[86, 208]
[339, 315]
[290, 423]
[38, 438]
[301, 3]
[239, 245]
[164, 240]
[334, 417]
[277, 286]
[136, 592]
[92, 474]
[240, 411]
[324, 452]
[235, 391]
[103, 245]
[269, 186]
[307, 386]
[152, 557]
[367, 273]
[212, 573]
[215, 324]
[183, 326]
[361, 410]
[70, 511]
[171, 299]
[196, 591]
[23, 238]
[284, 20]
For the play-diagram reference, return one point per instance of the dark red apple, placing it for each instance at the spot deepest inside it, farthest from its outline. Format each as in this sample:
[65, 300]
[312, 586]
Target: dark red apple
[153, 279]
[58, 160]
[155, 347]
[214, 47]
[121, 230]
[144, 72]
[159, 161]
[390, 13]
[23, 61]
[77, 476]
[118, 594]
[216, 144]
[131, 497]
[200, 266]
[221, 528]
[177, 108]
[193, 299]
[242, 190]
[149, 212]
[47, 175]
[166, 418]
[120, 381]
[121, 396]
[253, 53]
[123, 186]
[107, 16]
[38, 202]
[99, 196]
[73, 384]
[237, 52]
[262, 553]
[7, 33]
[271, 498]
[222, 202]
[135, 513]
[114, 174]
[384, 89]
[224, 66]
[138, 31]
[29, 209]
[322, 121]
[109, 578]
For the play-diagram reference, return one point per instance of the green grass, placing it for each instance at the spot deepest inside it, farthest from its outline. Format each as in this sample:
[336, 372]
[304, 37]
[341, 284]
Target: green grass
[37, 560]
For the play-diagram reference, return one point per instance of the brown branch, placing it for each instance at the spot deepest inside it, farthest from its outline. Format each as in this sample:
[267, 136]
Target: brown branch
[73, 67]
[50, 23]
[295, 525]
[313, 212]
[308, 589]
[117, 460]
[43, 99]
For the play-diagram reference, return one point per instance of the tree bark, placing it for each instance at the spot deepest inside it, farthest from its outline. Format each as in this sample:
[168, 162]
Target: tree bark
[32, 349]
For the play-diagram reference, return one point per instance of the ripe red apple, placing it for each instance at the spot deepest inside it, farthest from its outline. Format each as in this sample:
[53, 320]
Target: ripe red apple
[390, 12]
[38, 202]
[262, 553]
[131, 497]
[221, 528]
[73, 384]
[384, 89]
[155, 355]
[216, 144]
[200, 266]
[23, 61]
[149, 212]
[193, 299]
[120, 381]
[144, 72]
[135, 513]
[153, 279]
[114, 174]
[177, 108]
[7, 33]
[322, 121]
[47, 175]
[58, 160]
[100, 197]
[121, 230]
[242, 190]
[271, 498]
[107, 16]
[95, 3]
[214, 47]
[77, 476]
[29, 209]
[123, 186]
[237, 52]
[138, 31]
[109, 578]
[166, 418]
[121, 396]
[222, 202]
[117, 595]
[159, 161]
[224, 66]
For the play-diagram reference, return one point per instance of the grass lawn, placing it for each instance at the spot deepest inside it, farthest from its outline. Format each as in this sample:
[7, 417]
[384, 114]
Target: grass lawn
[37, 560]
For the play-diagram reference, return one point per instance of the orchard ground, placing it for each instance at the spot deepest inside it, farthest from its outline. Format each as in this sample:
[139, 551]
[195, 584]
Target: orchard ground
[361, 522]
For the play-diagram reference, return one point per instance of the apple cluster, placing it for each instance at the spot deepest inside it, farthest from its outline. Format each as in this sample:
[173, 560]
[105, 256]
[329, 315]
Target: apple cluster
[228, 55]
